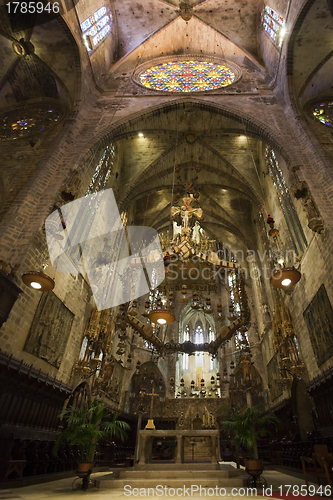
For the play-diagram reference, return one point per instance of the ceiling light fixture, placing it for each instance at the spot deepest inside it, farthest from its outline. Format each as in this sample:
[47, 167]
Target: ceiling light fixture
[161, 317]
[285, 277]
[38, 281]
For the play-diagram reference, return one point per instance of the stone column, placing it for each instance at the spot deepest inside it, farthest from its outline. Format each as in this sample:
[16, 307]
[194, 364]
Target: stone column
[179, 449]
[213, 441]
[137, 444]
[219, 458]
[143, 449]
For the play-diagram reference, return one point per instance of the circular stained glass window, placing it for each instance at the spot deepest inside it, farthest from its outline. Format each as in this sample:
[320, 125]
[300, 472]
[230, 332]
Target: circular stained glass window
[324, 112]
[187, 76]
[24, 122]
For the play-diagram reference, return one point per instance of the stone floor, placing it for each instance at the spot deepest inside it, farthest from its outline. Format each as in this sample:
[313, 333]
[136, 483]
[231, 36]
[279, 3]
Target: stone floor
[62, 489]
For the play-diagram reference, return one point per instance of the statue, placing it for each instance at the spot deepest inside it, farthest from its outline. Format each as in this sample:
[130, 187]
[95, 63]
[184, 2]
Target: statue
[108, 370]
[177, 230]
[197, 233]
[301, 191]
[246, 366]
[186, 212]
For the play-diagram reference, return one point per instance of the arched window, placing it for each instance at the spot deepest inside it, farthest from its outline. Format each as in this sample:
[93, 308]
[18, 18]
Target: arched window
[83, 348]
[287, 206]
[96, 27]
[102, 171]
[187, 333]
[273, 23]
[234, 292]
[148, 345]
[198, 335]
[185, 361]
[241, 340]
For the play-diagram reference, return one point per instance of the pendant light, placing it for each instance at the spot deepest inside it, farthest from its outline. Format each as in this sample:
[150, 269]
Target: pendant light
[38, 281]
[285, 277]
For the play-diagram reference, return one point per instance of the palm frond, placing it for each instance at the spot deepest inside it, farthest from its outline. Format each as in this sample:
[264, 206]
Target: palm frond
[86, 426]
[246, 426]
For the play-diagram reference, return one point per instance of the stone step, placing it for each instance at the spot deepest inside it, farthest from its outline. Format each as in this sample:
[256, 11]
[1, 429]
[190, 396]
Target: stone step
[206, 449]
[204, 482]
[180, 467]
[169, 474]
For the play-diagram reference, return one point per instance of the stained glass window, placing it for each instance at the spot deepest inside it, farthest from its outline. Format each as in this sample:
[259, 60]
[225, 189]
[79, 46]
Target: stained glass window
[26, 122]
[102, 171]
[241, 340]
[273, 24]
[85, 218]
[187, 76]
[287, 206]
[147, 345]
[324, 112]
[96, 27]
[83, 348]
[199, 335]
[234, 292]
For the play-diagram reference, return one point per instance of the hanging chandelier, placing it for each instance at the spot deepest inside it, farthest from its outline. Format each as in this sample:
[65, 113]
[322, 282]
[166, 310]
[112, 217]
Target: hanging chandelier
[285, 277]
[282, 277]
[38, 281]
[159, 308]
[161, 316]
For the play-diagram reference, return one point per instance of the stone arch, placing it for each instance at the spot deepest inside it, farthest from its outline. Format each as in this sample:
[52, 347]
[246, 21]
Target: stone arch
[250, 126]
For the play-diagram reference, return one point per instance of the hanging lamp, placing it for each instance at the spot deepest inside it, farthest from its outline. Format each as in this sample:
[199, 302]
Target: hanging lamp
[38, 281]
[161, 317]
[285, 277]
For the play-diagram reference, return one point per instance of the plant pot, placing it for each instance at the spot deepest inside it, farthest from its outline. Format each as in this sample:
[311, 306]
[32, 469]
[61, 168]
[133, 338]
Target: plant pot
[84, 469]
[254, 467]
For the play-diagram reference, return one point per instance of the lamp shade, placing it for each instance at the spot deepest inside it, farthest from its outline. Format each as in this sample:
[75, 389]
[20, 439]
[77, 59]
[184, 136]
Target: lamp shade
[38, 281]
[284, 277]
[161, 317]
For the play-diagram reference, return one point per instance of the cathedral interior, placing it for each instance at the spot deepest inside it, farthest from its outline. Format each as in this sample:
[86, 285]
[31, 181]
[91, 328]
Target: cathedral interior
[208, 126]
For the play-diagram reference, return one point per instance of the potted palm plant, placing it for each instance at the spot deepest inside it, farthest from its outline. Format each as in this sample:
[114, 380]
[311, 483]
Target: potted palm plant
[246, 427]
[85, 427]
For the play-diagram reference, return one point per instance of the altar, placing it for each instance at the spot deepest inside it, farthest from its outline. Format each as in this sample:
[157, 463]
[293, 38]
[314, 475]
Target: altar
[146, 439]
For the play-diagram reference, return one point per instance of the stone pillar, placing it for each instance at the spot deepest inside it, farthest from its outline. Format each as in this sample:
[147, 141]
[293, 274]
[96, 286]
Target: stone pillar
[143, 449]
[213, 441]
[179, 449]
[138, 442]
[219, 458]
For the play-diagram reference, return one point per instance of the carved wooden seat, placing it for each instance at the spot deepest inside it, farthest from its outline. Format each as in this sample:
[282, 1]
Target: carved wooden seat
[320, 465]
[15, 467]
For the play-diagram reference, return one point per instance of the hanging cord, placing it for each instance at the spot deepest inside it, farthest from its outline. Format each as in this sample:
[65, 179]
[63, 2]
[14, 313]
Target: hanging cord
[253, 160]
[173, 178]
